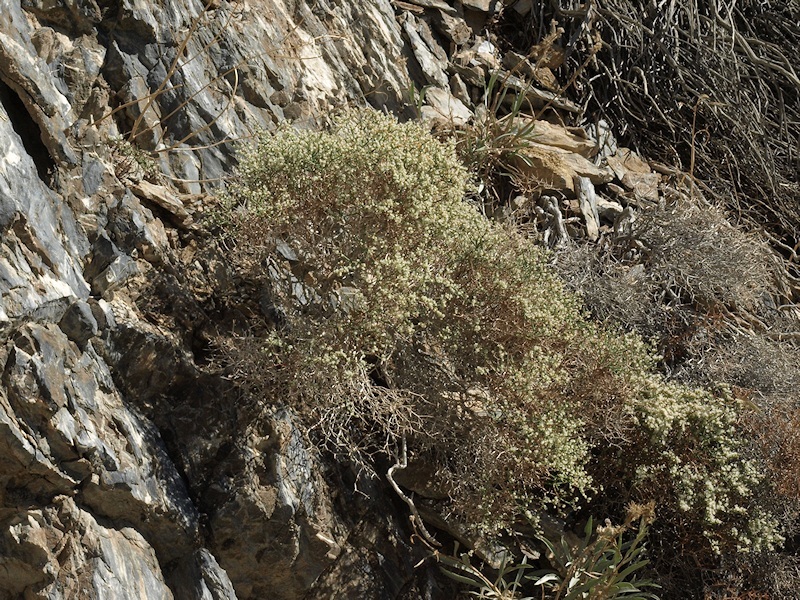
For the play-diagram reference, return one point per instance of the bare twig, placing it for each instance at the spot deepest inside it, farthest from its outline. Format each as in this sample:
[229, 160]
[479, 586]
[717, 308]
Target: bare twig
[416, 520]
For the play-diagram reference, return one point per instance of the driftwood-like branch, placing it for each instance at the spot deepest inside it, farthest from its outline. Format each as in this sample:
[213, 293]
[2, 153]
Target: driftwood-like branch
[415, 518]
[588, 205]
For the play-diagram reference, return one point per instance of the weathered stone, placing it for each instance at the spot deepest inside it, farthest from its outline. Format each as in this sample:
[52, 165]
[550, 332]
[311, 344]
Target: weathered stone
[37, 267]
[608, 209]
[486, 53]
[474, 75]
[572, 139]
[66, 402]
[626, 161]
[297, 538]
[75, 63]
[136, 230]
[163, 198]
[104, 252]
[618, 190]
[520, 65]
[28, 75]
[538, 98]
[95, 174]
[114, 275]
[102, 313]
[635, 174]
[79, 324]
[432, 67]
[439, 5]
[443, 106]
[431, 42]
[79, 16]
[459, 89]
[453, 27]
[61, 551]
[487, 6]
[555, 169]
[199, 577]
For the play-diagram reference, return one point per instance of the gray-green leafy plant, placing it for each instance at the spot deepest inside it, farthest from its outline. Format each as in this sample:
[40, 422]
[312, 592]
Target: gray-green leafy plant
[506, 585]
[604, 565]
[493, 144]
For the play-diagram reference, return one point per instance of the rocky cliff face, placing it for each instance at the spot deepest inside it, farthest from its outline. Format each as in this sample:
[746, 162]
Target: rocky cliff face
[121, 474]
[127, 468]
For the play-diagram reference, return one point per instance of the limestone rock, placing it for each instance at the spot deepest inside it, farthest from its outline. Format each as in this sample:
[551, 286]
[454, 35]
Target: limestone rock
[439, 5]
[200, 576]
[79, 324]
[163, 198]
[62, 551]
[635, 174]
[608, 210]
[572, 139]
[459, 89]
[520, 65]
[297, 537]
[39, 272]
[432, 66]
[79, 16]
[443, 106]
[538, 98]
[453, 27]
[556, 169]
[471, 74]
[29, 77]
[486, 6]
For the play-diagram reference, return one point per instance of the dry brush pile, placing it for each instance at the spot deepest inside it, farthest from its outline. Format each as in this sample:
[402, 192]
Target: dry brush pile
[708, 87]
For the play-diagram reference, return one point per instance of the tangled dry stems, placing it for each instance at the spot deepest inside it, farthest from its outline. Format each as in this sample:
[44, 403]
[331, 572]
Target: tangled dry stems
[704, 292]
[708, 86]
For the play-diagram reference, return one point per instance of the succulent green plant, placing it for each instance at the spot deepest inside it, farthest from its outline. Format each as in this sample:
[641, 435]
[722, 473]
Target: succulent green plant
[604, 565]
[506, 585]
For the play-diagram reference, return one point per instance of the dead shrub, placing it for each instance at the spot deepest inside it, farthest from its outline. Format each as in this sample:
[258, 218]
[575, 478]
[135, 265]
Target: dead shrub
[696, 256]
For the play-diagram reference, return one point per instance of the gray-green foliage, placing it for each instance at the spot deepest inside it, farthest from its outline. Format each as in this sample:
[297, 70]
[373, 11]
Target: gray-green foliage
[606, 564]
[407, 315]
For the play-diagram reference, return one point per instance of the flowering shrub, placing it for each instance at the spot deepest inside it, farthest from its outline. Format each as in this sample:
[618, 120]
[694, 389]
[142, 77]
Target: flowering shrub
[405, 315]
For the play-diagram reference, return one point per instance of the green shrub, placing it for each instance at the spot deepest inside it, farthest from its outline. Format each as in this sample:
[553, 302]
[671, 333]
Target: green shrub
[408, 317]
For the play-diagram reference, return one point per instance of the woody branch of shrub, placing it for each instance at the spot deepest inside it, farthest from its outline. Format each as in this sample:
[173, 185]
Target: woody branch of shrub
[414, 328]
